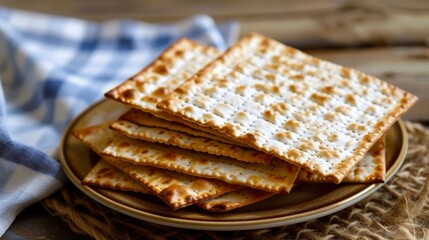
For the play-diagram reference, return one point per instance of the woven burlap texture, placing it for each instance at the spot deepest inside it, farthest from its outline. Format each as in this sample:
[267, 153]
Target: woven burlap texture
[399, 210]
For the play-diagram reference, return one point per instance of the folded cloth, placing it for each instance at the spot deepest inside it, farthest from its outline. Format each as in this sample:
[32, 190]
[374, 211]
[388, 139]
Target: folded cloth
[51, 68]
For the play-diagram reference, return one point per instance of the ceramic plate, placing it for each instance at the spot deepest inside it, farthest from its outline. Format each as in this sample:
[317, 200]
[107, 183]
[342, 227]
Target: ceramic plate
[305, 202]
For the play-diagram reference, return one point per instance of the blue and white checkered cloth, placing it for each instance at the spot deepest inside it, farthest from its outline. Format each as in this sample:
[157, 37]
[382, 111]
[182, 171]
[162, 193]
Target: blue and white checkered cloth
[52, 68]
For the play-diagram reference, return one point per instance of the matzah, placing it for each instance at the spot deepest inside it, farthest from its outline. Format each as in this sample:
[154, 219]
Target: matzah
[234, 200]
[147, 119]
[212, 133]
[104, 175]
[183, 140]
[371, 169]
[96, 137]
[148, 87]
[278, 177]
[175, 189]
[304, 110]
[145, 89]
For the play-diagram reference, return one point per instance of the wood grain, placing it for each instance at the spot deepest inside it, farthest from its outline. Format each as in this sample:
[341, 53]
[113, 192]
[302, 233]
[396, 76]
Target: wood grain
[304, 23]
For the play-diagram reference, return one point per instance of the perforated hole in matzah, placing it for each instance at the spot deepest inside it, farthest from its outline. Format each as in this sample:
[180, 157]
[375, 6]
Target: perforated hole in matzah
[277, 99]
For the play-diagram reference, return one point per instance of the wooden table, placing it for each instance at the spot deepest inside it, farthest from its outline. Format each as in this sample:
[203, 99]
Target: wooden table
[388, 39]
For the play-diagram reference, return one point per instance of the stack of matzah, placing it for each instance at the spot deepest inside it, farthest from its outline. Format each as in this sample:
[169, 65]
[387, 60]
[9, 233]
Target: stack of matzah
[224, 130]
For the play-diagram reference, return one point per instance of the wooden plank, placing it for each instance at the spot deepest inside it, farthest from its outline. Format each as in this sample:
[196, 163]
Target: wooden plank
[304, 23]
[162, 10]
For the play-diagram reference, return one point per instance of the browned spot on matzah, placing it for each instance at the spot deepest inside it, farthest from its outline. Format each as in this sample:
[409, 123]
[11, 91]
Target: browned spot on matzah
[293, 125]
[161, 69]
[307, 146]
[351, 99]
[150, 99]
[334, 137]
[329, 153]
[356, 127]
[329, 90]
[345, 110]
[320, 98]
[171, 155]
[294, 154]
[130, 94]
[331, 116]
[365, 80]
[161, 91]
[280, 107]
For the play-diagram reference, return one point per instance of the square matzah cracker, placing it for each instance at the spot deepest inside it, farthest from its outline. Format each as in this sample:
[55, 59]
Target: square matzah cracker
[147, 119]
[180, 61]
[187, 141]
[370, 169]
[307, 111]
[176, 189]
[278, 177]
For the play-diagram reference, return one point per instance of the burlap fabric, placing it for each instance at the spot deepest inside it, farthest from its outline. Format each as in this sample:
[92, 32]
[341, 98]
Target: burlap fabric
[399, 210]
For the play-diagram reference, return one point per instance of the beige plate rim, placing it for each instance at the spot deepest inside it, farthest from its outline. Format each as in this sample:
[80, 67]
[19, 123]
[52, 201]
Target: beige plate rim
[225, 225]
